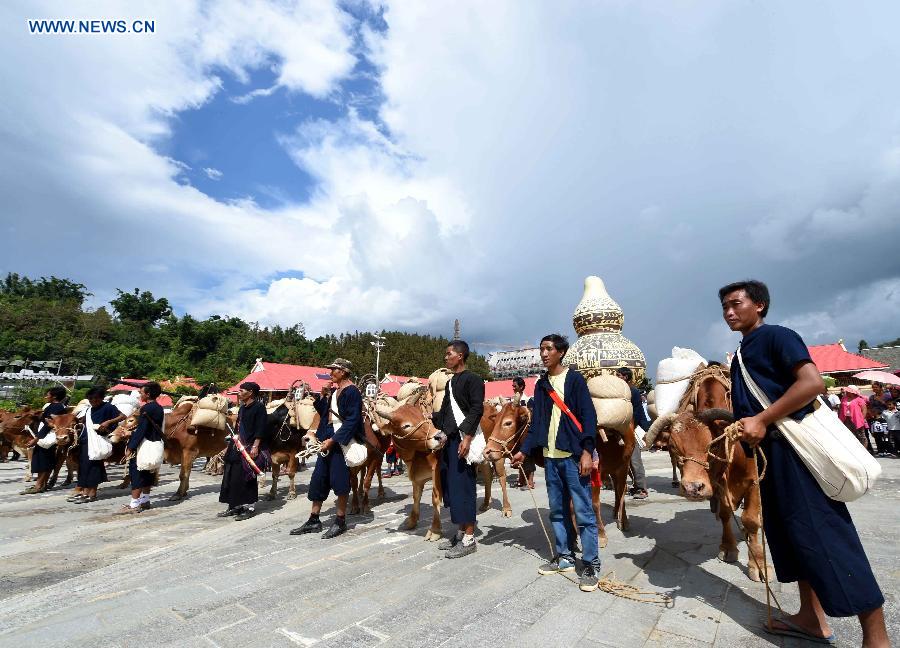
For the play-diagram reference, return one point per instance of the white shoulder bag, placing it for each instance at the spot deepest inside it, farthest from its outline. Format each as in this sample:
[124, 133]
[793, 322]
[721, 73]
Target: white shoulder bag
[477, 445]
[98, 447]
[150, 453]
[47, 441]
[841, 465]
[355, 453]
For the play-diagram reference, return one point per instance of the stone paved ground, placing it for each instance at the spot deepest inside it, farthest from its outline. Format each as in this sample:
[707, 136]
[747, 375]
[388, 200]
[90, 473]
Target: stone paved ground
[177, 575]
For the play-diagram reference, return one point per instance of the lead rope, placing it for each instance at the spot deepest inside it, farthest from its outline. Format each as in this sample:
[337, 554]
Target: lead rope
[731, 436]
[608, 583]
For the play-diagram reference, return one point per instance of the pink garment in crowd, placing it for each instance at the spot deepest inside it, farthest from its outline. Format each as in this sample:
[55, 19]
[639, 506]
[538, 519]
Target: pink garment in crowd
[857, 409]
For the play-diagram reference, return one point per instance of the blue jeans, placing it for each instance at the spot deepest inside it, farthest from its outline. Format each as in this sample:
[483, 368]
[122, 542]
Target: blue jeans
[564, 484]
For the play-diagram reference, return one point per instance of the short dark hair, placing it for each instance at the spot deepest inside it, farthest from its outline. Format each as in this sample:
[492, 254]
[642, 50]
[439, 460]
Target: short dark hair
[57, 392]
[152, 389]
[625, 371]
[560, 342]
[518, 381]
[460, 347]
[95, 391]
[757, 291]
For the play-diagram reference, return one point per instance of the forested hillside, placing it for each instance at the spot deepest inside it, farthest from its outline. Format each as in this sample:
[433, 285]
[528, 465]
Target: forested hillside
[138, 335]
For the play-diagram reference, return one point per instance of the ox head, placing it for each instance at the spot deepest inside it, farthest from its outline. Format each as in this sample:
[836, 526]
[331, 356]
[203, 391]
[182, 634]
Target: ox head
[407, 423]
[688, 436]
[508, 432]
[65, 426]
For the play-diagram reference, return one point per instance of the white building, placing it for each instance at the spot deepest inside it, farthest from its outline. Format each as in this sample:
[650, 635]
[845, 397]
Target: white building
[521, 362]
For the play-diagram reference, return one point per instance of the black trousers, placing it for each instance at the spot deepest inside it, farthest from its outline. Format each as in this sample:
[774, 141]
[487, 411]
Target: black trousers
[236, 489]
[458, 483]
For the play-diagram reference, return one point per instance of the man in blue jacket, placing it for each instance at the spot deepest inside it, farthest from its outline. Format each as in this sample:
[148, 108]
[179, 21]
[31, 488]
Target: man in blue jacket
[340, 421]
[567, 455]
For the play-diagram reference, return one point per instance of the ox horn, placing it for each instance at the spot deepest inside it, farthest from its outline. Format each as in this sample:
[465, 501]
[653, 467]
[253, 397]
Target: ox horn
[658, 426]
[708, 417]
[385, 414]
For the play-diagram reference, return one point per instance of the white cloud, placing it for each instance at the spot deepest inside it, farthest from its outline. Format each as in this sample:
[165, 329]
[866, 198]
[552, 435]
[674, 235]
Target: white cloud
[526, 146]
[868, 312]
[212, 174]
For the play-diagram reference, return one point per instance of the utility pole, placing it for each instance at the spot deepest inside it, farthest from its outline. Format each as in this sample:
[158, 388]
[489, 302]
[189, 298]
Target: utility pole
[456, 329]
[379, 345]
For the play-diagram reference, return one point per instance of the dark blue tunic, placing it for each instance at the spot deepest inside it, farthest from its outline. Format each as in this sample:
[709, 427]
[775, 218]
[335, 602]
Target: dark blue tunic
[93, 473]
[331, 472]
[811, 537]
[150, 423]
[44, 459]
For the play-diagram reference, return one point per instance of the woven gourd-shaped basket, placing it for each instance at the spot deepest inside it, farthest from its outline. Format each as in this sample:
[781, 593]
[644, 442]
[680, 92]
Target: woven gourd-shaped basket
[601, 348]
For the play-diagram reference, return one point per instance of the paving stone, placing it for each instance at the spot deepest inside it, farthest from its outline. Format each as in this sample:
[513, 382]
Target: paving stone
[198, 580]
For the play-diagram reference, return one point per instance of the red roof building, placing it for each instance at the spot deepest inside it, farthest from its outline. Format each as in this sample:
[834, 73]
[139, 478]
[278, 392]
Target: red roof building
[834, 360]
[275, 379]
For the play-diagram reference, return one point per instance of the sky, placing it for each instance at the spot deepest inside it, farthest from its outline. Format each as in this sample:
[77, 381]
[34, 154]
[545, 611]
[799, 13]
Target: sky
[397, 165]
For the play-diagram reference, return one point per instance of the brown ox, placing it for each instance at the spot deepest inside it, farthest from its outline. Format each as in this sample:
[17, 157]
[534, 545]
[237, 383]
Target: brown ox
[504, 432]
[705, 475]
[709, 388]
[285, 441]
[15, 428]
[615, 459]
[417, 443]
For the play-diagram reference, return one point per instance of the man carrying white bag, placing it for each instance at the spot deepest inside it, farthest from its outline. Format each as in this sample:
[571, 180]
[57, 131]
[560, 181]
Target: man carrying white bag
[810, 534]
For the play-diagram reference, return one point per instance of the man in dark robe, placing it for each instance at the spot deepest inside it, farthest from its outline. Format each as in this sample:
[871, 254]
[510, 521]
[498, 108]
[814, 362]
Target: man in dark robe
[340, 422]
[811, 537]
[459, 419]
[151, 419]
[240, 489]
[43, 460]
[91, 473]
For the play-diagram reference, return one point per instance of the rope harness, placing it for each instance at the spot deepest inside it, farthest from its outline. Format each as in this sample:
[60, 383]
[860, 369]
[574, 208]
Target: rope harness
[608, 583]
[730, 439]
[508, 445]
[715, 372]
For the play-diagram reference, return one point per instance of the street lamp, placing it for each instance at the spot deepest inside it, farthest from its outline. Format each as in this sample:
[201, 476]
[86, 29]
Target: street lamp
[379, 345]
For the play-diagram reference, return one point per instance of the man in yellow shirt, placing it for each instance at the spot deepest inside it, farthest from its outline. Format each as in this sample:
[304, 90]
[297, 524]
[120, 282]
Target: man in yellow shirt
[562, 434]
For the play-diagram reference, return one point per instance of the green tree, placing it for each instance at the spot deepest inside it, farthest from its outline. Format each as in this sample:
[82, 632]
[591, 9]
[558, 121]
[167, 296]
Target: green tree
[140, 307]
[862, 345]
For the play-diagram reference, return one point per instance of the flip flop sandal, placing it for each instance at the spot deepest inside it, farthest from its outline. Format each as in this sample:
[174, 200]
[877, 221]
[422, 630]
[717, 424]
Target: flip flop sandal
[32, 491]
[86, 500]
[75, 498]
[791, 629]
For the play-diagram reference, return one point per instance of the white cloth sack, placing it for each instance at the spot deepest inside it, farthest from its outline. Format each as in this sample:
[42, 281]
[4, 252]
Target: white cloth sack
[841, 465]
[355, 453]
[149, 455]
[98, 447]
[48, 441]
[477, 445]
[673, 375]
[126, 403]
[639, 435]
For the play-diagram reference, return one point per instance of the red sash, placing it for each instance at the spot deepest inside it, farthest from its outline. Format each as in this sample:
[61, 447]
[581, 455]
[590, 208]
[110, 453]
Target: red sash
[563, 407]
[555, 397]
